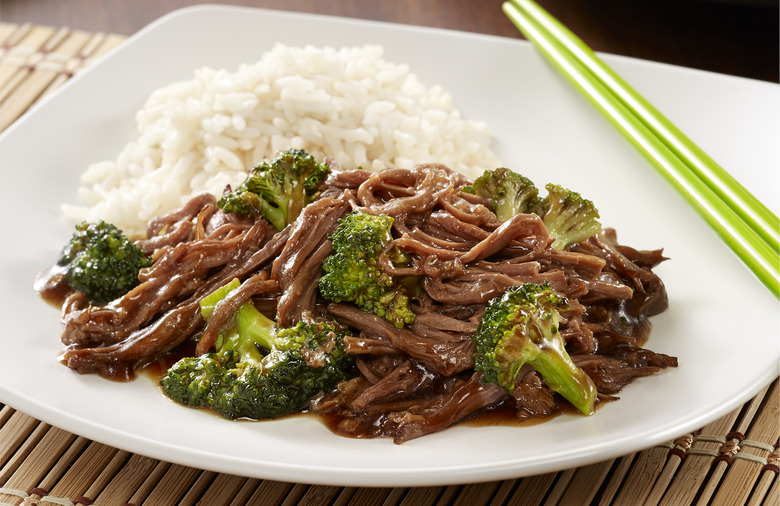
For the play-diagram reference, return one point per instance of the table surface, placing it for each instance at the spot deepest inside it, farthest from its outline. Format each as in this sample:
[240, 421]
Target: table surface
[735, 37]
[733, 460]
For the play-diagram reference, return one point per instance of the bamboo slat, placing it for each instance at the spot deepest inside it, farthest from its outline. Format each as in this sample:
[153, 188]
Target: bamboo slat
[533, 490]
[83, 471]
[223, 489]
[176, 481]
[35, 60]
[586, 483]
[7, 32]
[25, 43]
[15, 430]
[750, 461]
[52, 451]
[773, 497]
[693, 458]
[197, 488]
[610, 487]
[274, 492]
[127, 480]
[731, 461]
[476, 493]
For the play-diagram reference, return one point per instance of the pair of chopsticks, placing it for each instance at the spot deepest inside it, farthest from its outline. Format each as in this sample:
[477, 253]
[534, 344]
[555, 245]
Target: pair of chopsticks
[746, 225]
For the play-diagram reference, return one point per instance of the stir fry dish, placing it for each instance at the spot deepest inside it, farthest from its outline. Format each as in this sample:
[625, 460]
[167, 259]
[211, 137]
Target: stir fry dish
[394, 303]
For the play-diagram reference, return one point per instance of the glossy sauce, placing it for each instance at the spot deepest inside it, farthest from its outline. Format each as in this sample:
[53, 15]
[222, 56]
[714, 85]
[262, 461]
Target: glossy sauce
[506, 415]
[156, 369]
[52, 285]
[503, 415]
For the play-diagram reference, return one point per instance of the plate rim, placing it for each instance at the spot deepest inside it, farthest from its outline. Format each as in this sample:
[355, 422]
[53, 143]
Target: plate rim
[108, 435]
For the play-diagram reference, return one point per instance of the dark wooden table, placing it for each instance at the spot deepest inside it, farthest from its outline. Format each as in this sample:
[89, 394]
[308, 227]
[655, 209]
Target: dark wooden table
[736, 37]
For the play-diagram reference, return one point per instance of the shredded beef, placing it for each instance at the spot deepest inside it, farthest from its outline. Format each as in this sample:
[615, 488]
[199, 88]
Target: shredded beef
[446, 357]
[464, 400]
[407, 382]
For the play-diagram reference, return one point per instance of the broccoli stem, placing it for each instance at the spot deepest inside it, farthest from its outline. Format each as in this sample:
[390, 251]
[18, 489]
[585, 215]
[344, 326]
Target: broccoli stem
[258, 370]
[210, 301]
[249, 328]
[522, 327]
[255, 327]
[562, 376]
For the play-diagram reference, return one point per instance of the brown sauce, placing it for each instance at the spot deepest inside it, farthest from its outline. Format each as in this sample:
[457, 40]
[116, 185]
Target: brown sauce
[156, 369]
[52, 285]
[506, 415]
[503, 415]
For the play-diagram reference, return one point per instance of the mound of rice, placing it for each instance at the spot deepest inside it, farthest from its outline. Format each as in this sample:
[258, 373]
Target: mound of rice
[348, 104]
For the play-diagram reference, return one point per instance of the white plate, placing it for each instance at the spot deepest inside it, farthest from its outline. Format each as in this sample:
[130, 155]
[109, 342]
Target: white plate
[722, 323]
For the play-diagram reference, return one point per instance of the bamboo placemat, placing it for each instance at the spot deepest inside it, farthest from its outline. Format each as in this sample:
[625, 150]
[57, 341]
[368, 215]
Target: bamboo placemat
[731, 461]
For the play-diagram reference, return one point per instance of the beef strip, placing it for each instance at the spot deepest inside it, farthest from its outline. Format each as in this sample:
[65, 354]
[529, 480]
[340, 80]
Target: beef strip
[163, 311]
[420, 189]
[443, 322]
[119, 360]
[178, 273]
[409, 381]
[226, 309]
[299, 264]
[532, 397]
[366, 344]
[465, 400]
[447, 358]
[470, 211]
[404, 381]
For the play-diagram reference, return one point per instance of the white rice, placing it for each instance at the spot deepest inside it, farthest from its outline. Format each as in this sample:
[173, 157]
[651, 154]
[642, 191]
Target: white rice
[348, 104]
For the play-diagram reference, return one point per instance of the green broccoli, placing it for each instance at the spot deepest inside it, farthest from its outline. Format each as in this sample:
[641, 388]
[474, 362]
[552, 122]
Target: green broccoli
[259, 371]
[509, 192]
[351, 273]
[102, 262]
[278, 190]
[568, 216]
[521, 327]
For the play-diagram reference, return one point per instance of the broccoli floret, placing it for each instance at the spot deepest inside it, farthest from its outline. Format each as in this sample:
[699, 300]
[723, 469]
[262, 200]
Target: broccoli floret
[102, 262]
[351, 273]
[278, 190]
[509, 192]
[568, 216]
[259, 371]
[521, 327]
[308, 358]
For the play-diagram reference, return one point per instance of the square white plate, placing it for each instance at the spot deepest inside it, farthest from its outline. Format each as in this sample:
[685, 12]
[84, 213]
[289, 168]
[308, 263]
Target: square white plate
[722, 323]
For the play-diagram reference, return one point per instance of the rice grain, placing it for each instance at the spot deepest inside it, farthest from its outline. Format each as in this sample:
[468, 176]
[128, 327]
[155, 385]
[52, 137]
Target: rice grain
[348, 104]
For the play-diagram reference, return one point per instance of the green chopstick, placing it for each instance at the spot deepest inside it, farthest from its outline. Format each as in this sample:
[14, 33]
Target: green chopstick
[742, 222]
[750, 209]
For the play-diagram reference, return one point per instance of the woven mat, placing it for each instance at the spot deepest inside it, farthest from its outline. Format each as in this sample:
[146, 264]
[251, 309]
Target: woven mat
[733, 460]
